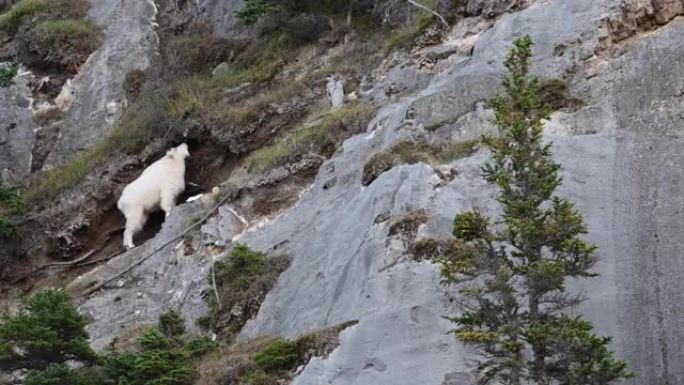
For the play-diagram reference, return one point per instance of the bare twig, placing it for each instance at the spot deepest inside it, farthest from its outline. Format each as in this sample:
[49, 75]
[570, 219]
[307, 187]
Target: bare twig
[103, 259]
[213, 283]
[421, 6]
[75, 262]
[69, 263]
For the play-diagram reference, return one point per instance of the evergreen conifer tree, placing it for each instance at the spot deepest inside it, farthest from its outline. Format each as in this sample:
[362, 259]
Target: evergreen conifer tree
[511, 274]
[47, 330]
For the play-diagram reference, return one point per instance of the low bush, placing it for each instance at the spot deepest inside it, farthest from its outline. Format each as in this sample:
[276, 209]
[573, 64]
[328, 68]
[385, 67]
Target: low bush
[260, 378]
[44, 9]
[7, 74]
[11, 202]
[62, 374]
[266, 359]
[305, 28]
[248, 111]
[10, 199]
[164, 356]
[403, 36]
[280, 354]
[198, 51]
[128, 136]
[47, 331]
[409, 152]
[554, 93]
[431, 249]
[66, 34]
[254, 9]
[322, 131]
[409, 223]
[276, 362]
[454, 150]
[242, 282]
[171, 324]
[229, 363]
[134, 81]
[68, 41]
[48, 336]
[376, 165]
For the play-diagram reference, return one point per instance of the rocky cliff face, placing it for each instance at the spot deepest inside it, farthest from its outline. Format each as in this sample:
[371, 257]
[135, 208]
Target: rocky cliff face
[621, 153]
[89, 105]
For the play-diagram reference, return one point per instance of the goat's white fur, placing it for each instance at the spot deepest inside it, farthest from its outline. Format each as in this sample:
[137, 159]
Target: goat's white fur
[157, 187]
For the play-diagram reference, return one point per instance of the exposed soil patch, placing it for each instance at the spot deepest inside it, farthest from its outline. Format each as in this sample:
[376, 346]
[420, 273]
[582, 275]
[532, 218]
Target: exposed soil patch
[101, 237]
[271, 199]
[208, 166]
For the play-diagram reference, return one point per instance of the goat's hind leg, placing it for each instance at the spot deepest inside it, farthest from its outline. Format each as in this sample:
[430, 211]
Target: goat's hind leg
[168, 201]
[135, 220]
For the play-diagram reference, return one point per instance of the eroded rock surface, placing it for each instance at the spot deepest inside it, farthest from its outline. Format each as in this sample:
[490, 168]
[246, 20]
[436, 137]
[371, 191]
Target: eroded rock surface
[221, 14]
[17, 131]
[621, 153]
[97, 96]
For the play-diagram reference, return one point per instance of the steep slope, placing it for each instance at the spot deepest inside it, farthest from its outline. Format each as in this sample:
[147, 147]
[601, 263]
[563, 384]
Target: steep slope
[620, 152]
[91, 102]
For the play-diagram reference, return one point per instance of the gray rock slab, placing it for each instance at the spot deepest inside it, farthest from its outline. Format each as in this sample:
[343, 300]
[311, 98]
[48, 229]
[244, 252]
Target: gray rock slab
[97, 94]
[621, 157]
[221, 14]
[168, 280]
[17, 132]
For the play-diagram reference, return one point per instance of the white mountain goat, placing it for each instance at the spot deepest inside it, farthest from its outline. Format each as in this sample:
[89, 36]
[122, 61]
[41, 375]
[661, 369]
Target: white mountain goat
[157, 187]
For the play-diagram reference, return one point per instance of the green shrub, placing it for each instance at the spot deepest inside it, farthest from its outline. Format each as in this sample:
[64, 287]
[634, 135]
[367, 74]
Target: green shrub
[554, 93]
[260, 378]
[430, 249]
[128, 136]
[376, 165]
[405, 35]
[7, 74]
[199, 50]
[134, 81]
[162, 360]
[200, 346]
[152, 366]
[11, 202]
[242, 266]
[454, 150]
[47, 330]
[409, 223]
[72, 40]
[409, 152]
[171, 324]
[242, 282]
[280, 354]
[61, 374]
[254, 9]
[47, 9]
[322, 132]
[83, 34]
[305, 28]
[267, 360]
